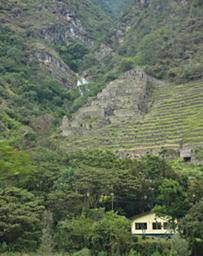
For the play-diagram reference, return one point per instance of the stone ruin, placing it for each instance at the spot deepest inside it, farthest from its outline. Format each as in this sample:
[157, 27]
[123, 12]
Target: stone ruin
[121, 100]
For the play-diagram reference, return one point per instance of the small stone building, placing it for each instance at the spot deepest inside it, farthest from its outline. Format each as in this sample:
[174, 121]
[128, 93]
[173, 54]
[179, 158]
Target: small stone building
[186, 154]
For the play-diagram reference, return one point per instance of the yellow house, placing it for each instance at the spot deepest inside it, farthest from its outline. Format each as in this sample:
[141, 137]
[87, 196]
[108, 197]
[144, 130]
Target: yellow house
[151, 225]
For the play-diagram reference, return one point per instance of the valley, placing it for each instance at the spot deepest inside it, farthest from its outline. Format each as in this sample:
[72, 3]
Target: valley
[101, 128]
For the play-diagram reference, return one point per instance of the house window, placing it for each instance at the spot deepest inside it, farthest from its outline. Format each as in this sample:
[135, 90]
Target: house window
[141, 226]
[156, 225]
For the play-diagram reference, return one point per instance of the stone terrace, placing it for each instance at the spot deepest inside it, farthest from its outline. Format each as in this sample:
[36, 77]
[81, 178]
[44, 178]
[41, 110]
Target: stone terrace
[175, 117]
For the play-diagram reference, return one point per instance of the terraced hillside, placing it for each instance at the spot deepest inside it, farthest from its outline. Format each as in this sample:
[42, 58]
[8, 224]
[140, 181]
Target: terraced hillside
[175, 118]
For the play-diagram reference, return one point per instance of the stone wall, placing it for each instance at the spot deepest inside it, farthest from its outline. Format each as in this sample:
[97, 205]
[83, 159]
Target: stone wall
[121, 100]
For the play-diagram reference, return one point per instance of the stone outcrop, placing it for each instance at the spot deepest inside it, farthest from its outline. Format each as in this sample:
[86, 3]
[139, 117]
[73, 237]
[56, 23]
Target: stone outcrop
[121, 100]
[51, 62]
[61, 23]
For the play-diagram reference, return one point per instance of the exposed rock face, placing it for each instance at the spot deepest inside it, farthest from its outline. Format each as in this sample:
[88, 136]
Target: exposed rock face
[122, 99]
[55, 21]
[49, 60]
[65, 29]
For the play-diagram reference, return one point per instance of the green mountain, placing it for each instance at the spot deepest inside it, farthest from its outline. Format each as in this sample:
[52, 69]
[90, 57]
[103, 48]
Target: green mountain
[165, 39]
[43, 47]
[163, 36]
[97, 101]
[46, 47]
[115, 8]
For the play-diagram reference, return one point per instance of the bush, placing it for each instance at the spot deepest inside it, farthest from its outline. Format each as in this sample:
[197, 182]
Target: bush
[180, 246]
[20, 214]
[151, 247]
[83, 252]
[74, 234]
[126, 64]
[134, 253]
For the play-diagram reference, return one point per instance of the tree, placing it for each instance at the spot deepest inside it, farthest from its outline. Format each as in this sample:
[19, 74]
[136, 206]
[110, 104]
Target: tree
[191, 227]
[134, 253]
[47, 242]
[74, 234]
[173, 199]
[20, 215]
[93, 183]
[150, 171]
[180, 246]
[15, 165]
[64, 203]
[112, 234]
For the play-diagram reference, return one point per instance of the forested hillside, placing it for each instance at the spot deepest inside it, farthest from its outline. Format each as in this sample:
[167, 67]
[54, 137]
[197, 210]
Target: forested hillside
[114, 8]
[97, 98]
[43, 47]
[163, 36]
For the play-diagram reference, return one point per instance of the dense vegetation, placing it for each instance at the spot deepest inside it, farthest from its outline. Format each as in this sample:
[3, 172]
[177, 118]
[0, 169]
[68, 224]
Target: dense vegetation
[29, 97]
[165, 37]
[114, 8]
[80, 203]
[63, 202]
[32, 99]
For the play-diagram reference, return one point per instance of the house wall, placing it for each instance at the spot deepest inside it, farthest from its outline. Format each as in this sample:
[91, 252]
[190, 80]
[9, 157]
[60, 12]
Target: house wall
[150, 219]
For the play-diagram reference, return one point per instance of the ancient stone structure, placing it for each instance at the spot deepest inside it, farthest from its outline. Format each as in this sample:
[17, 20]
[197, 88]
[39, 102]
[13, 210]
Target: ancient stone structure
[186, 154]
[121, 100]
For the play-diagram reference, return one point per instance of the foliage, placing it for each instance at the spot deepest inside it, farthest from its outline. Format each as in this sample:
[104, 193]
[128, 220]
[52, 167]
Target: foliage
[115, 9]
[78, 188]
[180, 247]
[83, 252]
[74, 234]
[156, 38]
[112, 234]
[191, 224]
[47, 242]
[198, 152]
[73, 54]
[174, 200]
[27, 93]
[149, 246]
[20, 214]
[15, 164]
[133, 253]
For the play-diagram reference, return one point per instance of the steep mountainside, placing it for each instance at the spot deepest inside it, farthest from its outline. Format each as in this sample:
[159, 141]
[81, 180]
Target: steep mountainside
[97, 103]
[115, 8]
[47, 46]
[42, 47]
[164, 36]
